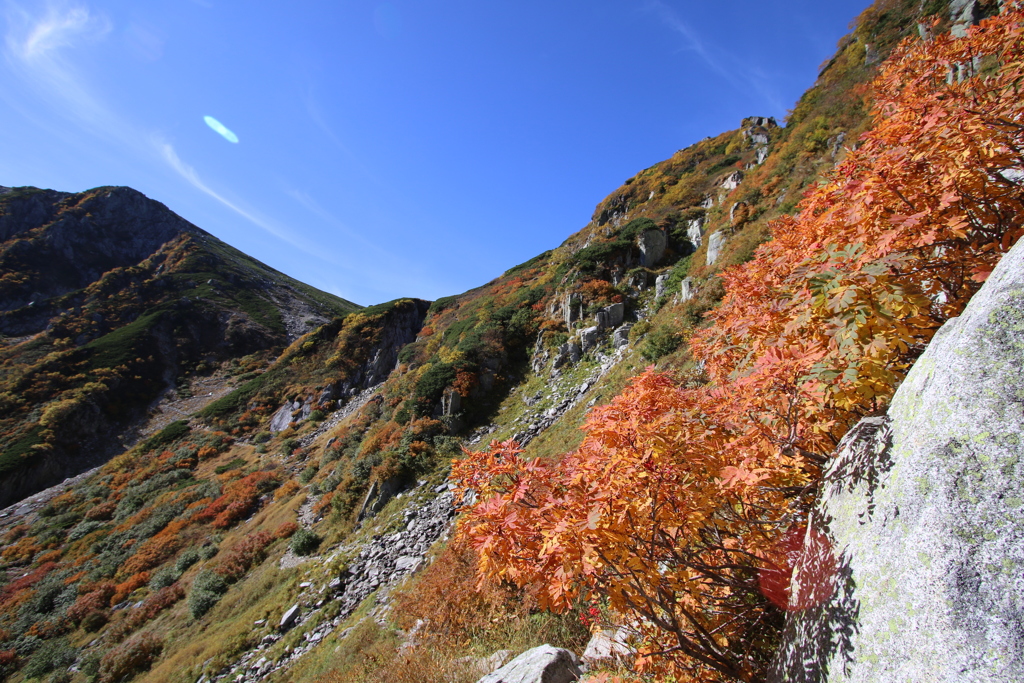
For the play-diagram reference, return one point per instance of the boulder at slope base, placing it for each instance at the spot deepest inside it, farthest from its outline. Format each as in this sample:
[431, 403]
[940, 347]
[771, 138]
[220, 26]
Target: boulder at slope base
[542, 664]
[608, 645]
[923, 507]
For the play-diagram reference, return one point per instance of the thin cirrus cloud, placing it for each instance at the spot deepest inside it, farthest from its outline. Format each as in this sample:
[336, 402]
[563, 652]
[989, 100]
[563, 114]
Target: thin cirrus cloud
[36, 47]
[187, 172]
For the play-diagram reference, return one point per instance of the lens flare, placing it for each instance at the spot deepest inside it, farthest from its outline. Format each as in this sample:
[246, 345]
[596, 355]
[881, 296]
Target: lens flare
[220, 128]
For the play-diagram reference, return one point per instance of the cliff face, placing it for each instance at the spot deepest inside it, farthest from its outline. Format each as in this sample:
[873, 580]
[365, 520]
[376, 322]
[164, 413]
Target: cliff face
[923, 509]
[60, 242]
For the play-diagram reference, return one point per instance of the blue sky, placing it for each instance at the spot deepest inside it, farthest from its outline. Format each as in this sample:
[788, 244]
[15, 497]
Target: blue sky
[387, 149]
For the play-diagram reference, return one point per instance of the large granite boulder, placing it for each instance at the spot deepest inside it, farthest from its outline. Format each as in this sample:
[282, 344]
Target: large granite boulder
[608, 646]
[659, 285]
[542, 664]
[923, 507]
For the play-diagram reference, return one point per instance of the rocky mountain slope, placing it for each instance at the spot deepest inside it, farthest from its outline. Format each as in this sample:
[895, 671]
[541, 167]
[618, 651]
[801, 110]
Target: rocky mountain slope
[270, 534]
[108, 300]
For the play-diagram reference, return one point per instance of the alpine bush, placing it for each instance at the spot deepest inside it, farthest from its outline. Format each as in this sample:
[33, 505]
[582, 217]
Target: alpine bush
[305, 542]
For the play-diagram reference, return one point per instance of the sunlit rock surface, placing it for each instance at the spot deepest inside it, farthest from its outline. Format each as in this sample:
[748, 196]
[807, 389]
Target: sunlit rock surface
[924, 510]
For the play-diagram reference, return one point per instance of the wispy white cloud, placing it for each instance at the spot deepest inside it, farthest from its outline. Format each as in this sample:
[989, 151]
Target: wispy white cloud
[187, 172]
[39, 47]
[741, 76]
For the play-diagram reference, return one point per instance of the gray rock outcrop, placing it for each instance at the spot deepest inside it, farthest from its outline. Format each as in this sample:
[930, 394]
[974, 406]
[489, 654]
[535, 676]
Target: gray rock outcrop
[963, 13]
[732, 181]
[610, 316]
[659, 285]
[687, 290]
[757, 133]
[608, 645]
[400, 327]
[923, 508]
[620, 337]
[289, 617]
[568, 353]
[542, 664]
[589, 337]
[715, 246]
[572, 309]
[652, 247]
[694, 231]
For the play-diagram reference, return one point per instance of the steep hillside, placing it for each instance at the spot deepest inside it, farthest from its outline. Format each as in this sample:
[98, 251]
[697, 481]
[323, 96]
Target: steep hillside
[269, 534]
[107, 301]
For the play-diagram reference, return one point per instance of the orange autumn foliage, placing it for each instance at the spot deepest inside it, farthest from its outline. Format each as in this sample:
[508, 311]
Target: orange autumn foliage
[678, 499]
[239, 499]
[243, 555]
[126, 588]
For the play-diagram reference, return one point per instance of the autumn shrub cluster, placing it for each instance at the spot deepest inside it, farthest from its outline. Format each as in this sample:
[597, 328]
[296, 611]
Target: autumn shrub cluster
[678, 501]
[243, 555]
[451, 607]
[129, 658]
[239, 499]
[152, 606]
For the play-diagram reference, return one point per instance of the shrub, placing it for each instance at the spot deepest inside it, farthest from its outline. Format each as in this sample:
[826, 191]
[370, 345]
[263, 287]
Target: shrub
[305, 542]
[150, 607]
[97, 600]
[167, 435]
[316, 416]
[308, 474]
[8, 661]
[206, 592]
[330, 483]
[239, 499]
[186, 559]
[103, 511]
[249, 551]
[208, 551]
[201, 602]
[51, 655]
[164, 578]
[94, 621]
[289, 489]
[286, 530]
[233, 465]
[210, 581]
[662, 341]
[130, 658]
[129, 586]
